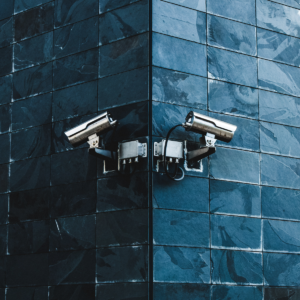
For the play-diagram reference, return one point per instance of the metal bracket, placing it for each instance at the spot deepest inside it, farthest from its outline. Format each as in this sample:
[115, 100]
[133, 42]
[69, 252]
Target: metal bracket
[93, 140]
[102, 153]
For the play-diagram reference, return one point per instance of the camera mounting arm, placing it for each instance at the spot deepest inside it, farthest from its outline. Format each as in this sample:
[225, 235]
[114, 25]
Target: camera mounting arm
[95, 149]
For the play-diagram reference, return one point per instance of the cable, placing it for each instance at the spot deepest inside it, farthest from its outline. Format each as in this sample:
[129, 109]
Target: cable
[165, 158]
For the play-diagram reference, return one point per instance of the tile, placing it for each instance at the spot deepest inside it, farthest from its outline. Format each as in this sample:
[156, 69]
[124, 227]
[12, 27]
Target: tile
[277, 108]
[281, 269]
[176, 264]
[124, 22]
[246, 135]
[2, 272]
[27, 270]
[3, 239]
[28, 237]
[30, 174]
[21, 5]
[125, 88]
[276, 293]
[225, 162]
[5, 118]
[60, 141]
[235, 232]
[43, 21]
[118, 290]
[278, 47]
[239, 10]
[32, 81]
[122, 228]
[280, 203]
[280, 171]
[5, 148]
[276, 77]
[178, 21]
[279, 236]
[75, 38]
[73, 199]
[72, 233]
[30, 143]
[7, 9]
[4, 178]
[29, 205]
[74, 166]
[178, 291]
[2, 294]
[27, 293]
[232, 67]
[30, 112]
[194, 4]
[76, 292]
[4, 209]
[124, 55]
[107, 5]
[282, 19]
[68, 11]
[179, 88]
[236, 267]
[279, 139]
[5, 89]
[236, 292]
[6, 57]
[119, 193]
[6, 32]
[231, 35]
[178, 228]
[292, 3]
[72, 267]
[179, 59]
[74, 101]
[234, 198]
[171, 195]
[122, 264]
[75, 69]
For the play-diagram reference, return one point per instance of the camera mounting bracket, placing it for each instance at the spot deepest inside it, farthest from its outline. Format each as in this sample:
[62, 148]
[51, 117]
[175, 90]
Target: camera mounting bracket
[94, 142]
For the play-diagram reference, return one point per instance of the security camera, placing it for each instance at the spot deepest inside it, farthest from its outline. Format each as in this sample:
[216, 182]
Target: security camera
[212, 129]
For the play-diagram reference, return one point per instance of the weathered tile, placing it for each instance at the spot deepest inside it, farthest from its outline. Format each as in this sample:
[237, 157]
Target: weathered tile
[279, 108]
[227, 292]
[3, 281]
[236, 267]
[124, 55]
[179, 21]
[74, 101]
[6, 32]
[194, 4]
[280, 171]
[77, 68]
[179, 59]
[72, 291]
[33, 52]
[36, 293]
[30, 143]
[171, 195]
[107, 5]
[5, 89]
[4, 178]
[72, 233]
[124, 22]
[232, 67]
[72, 267]
[28, 237]
[276, 293]
[3, 209]
[225, 162]
[3, 239]
[5, 118]
[26, 270]
[6, 58]
[125, 88]
[234, 198]
[235, 232]
[30, 174]
[292, 3]
[116, 264]
[122, 228]
[31, 112]
[68, 11]
[75, 38]
[178, 228]
[280, 203]
[7, 9]
[239, 10]
[5, 148]
[21, 5]
[34, 21]
[177, 264]
[32, 81]
[281, 269]
[231, 35]
[179, 88]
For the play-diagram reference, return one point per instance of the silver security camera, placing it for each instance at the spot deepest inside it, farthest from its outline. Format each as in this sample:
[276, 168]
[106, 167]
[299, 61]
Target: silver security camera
[212, 129]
